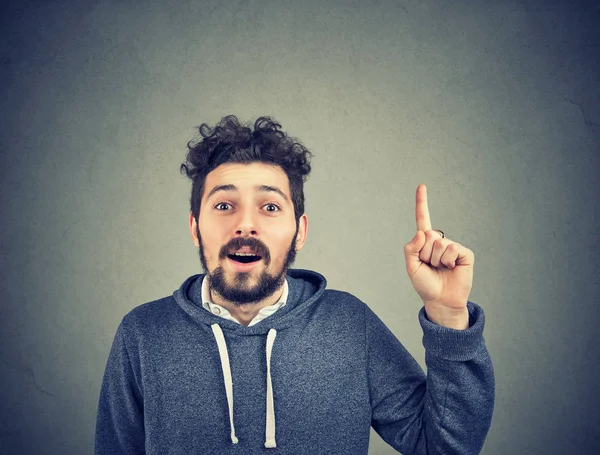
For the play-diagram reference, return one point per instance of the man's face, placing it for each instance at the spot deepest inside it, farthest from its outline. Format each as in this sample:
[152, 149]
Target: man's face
[247, 208]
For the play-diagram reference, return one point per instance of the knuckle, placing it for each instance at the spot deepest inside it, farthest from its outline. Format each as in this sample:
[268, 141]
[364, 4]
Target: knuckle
[432, 236]
[441, 243]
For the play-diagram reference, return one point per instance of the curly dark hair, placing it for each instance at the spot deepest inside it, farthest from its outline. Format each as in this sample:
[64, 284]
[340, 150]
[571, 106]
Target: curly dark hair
[231, 142]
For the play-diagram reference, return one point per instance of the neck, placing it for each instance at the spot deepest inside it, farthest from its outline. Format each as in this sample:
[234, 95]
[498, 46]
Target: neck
[248, 311]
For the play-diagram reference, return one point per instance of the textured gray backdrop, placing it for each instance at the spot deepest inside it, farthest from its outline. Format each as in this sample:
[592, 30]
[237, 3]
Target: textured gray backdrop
[494, 105]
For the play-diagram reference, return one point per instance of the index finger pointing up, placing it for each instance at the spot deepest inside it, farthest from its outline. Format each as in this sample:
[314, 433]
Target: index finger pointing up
[422, 212]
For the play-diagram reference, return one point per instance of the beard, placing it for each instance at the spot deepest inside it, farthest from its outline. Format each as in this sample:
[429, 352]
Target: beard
[240, 291]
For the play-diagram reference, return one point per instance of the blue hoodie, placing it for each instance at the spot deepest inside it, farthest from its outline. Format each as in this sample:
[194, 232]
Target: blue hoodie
[311, 378]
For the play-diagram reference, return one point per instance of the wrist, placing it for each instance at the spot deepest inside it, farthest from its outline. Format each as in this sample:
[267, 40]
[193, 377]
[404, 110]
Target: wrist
[452, 318]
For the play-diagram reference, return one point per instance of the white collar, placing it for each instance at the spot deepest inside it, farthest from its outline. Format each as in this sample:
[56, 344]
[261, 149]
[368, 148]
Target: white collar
[220, 311]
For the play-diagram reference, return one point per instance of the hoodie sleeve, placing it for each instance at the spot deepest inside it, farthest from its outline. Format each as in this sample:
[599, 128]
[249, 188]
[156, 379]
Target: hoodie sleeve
[449, 410]
[120, 420]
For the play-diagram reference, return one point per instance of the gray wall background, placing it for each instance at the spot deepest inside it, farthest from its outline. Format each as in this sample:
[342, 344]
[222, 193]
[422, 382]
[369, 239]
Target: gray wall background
[494, 105]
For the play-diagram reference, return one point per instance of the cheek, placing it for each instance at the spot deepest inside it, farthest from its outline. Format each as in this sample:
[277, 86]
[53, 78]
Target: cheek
[283, 244]
[210, 242]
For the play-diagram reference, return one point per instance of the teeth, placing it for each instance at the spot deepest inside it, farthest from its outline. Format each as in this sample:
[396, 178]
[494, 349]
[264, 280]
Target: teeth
[244, 254]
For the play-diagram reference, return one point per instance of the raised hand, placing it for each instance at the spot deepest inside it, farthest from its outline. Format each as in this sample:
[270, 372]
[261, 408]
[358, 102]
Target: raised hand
[440, 270]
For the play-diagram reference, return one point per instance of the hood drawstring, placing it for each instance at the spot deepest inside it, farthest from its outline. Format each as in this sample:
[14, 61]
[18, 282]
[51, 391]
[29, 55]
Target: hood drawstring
[270, 424]
[226, 375]
[270, 418]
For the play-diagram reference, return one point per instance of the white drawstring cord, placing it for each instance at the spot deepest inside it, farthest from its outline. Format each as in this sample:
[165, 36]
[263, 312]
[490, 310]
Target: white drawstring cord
[270, 423]
[270, 442]
[226, 375]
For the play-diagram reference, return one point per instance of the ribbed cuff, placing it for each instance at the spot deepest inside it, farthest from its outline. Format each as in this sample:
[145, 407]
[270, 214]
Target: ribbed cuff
[453, 344]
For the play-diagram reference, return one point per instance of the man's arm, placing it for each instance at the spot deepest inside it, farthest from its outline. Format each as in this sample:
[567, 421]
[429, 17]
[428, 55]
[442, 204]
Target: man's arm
[120, 421]
[449, 410]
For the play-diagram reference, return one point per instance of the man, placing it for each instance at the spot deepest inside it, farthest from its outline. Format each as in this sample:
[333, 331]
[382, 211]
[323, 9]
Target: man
[255, 357]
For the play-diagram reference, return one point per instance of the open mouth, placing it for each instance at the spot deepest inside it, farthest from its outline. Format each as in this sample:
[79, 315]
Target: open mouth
[244, 258]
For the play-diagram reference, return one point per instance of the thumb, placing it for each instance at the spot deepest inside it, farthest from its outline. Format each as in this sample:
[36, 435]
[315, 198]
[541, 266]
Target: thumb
[412, 250]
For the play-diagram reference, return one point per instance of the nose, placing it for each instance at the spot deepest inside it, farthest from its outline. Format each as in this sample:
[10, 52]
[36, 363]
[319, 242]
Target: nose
[246, 225]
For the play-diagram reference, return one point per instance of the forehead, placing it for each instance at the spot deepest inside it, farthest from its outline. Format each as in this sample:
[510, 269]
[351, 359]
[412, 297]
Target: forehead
[247, 176]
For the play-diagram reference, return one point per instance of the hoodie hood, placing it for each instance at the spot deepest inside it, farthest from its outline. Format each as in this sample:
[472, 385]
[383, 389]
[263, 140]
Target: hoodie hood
[305, 289]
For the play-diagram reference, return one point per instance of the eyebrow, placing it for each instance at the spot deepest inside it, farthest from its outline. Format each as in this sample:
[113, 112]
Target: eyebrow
[258, 188]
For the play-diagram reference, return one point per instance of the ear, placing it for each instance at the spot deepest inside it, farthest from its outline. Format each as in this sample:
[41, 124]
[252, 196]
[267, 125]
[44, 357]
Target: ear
[302, 232]
[193, 230]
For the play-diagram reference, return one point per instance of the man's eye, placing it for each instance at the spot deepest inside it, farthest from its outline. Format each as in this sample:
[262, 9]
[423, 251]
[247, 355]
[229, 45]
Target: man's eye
[220, 204]
[273, 205]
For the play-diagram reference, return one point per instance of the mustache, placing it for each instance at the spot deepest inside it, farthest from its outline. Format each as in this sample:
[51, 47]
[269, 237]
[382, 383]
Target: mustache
[239, 242]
